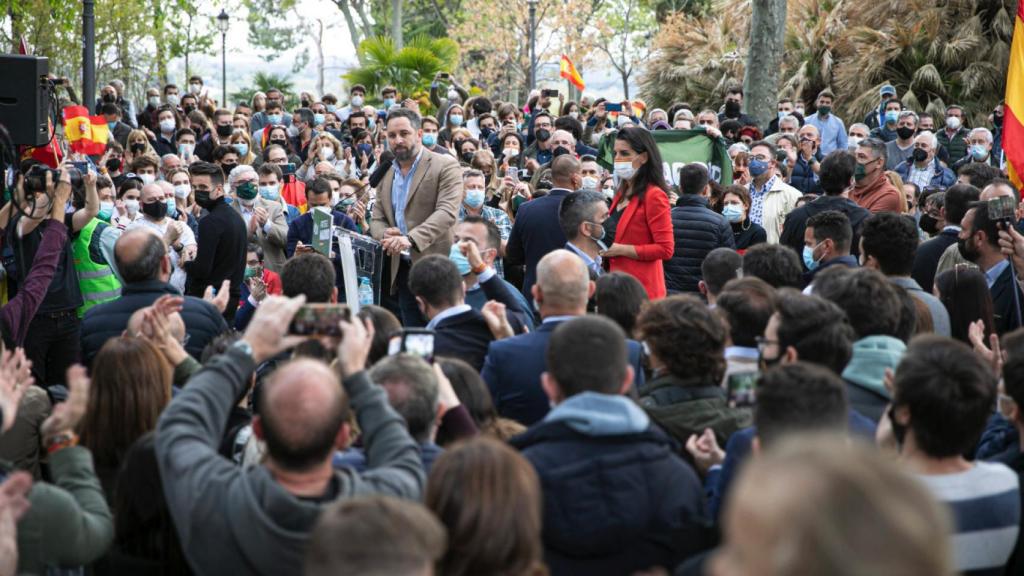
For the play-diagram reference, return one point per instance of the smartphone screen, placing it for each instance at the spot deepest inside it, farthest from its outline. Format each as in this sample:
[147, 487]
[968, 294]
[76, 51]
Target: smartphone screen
[742, 388]
[319, 320]
[610, 107]
[415, 341]
[513, 173]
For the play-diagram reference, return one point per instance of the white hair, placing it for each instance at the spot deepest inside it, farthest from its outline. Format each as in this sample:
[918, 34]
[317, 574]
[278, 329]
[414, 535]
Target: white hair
[983, 131]
[859, 125]
[789, 119]
[165, 158]
[932, 136]
[238, 172]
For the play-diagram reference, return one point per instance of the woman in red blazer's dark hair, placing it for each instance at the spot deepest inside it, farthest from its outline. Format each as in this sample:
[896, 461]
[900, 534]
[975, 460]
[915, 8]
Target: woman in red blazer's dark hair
[639, 225]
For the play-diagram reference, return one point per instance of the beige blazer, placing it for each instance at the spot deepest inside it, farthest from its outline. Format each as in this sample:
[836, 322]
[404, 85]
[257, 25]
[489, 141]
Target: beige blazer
[431, 208]
[272, 240]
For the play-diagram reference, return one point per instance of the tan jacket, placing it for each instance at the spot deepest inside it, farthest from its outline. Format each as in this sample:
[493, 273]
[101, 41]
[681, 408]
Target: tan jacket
[273, 239]
[778, 202]
[431, 209]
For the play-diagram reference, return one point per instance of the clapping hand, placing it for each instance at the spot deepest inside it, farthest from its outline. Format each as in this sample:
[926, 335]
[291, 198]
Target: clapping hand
[220, 300]
[705, 451]
[15, 378]
[66, 415]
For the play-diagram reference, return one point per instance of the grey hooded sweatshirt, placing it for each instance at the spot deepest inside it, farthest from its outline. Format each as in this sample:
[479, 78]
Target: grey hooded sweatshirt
[235, 521]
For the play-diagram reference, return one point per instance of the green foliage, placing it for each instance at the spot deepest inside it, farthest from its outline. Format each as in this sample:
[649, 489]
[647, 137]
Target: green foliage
[410, 69]
[419, 17]
[263, 81]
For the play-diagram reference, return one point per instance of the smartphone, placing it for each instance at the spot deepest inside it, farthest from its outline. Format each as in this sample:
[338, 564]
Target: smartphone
[288, 169]
[741, 388]
[612, 107]
[549, 93]
[319, 320]
[445, 75]
[513, 173]
[415, 341]
[1003, 209]
[82, 167]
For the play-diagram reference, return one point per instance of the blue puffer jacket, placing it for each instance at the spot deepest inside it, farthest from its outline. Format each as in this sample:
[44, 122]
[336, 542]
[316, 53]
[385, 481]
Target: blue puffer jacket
[617, 497]
[698, 230]
[941, 176]
[803, 177]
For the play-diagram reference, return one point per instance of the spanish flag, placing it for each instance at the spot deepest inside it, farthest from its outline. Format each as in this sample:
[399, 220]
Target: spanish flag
[569, 73]
[1013, 119]
[86, 134]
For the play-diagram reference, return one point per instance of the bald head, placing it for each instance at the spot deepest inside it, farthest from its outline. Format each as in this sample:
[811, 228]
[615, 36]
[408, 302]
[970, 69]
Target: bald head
[140, 255]
[997, 189]
[565, 172]
[175, 325]
[563, 284]
[153, 192]
[302, 410]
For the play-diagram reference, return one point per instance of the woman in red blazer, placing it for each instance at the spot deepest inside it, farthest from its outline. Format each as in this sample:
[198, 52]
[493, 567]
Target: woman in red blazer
[639, 223]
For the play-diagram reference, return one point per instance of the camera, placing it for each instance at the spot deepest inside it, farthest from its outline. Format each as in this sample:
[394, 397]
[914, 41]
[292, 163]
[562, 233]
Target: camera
[35, 178]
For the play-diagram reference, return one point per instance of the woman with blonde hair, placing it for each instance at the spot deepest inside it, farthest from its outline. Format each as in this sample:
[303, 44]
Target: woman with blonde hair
[325, 148]
[488, 497]
[897, 181]
[138, 144]
[259, 102]
[241, 143]
[484, 161]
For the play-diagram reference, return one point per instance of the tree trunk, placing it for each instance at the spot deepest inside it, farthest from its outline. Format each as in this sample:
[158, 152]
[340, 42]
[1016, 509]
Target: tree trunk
[625, 85]
[350, 23]
[396, 24]
[320, 57]
[761, 79]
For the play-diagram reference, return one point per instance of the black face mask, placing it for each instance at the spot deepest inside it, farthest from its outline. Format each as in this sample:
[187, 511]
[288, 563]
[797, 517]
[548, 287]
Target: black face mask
[138, 148]
[281, 143]
[155, 210]
[904, 132]
[228, 168]
[966, 250]
[224, 130]
[113, 164]
[919, 155]
[204, 201]
[997, 121]
[486, 132]
[543, 135]
[467, 157]
[559, 151]
[305, 103]
[732, 109]
[109, 98]
[929, 224]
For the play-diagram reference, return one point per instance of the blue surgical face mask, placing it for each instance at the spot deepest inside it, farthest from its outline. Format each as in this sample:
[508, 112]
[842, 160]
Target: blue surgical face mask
[388, 103]
[274, 118]
[242, 148]
[371, 123]
[758, 167]
[783, 115]
[429, 139]
[106, 211]
[318, 119]
[111, 125]
[979, 152]
[270, 192]
[809, 260]
[455, 119]
[331, 107]
[891, 116]
[460, 260]
[732, 212]
[172, 208]
[475, 197]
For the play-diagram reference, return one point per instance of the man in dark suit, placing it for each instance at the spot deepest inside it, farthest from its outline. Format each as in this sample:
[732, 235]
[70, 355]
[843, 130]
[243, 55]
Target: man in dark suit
[119, 131]
[300, 230]
[979, 243]
[144, 265]
[459, 330]
[958, 198]
[537, 231]
[513, 366]
[581, 216]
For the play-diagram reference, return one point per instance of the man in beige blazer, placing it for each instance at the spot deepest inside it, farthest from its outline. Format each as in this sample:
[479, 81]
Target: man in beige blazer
[265, 221]
[417, 206]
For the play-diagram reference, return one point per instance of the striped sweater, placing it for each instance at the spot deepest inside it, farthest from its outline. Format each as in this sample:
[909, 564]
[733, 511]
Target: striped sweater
[985, 505]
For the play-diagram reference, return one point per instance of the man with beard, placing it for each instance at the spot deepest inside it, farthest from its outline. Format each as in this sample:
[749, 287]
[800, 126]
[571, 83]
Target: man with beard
[417, 206]
[979, 243]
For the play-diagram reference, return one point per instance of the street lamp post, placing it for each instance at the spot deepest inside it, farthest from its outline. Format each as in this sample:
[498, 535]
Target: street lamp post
[533, 43]
[222, 25]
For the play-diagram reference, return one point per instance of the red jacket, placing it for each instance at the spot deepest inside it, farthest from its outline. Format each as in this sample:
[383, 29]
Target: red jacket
[647, 225]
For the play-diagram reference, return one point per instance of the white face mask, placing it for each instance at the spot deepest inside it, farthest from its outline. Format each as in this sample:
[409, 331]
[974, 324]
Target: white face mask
[147, 178]
[853, 141]
[132, 206]
[327, 153]
[624, 170]
[173, 99]
[453, 94]
[609, 192]
[589, 183]
[357, 101]
[293, 131]
[195, 88]
[154, 101]
[182, 190]
[167, 125]
[510, 152]
[953, 123]
[574, 114]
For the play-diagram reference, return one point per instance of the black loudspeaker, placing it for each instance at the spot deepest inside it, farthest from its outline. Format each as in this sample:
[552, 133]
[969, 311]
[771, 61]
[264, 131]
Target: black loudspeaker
[25, 98]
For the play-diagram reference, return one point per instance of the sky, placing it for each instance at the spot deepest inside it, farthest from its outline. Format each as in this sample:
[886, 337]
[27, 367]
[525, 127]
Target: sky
[243, 61]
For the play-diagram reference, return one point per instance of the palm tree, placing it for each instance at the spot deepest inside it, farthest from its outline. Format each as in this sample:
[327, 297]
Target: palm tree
[410, 69]
[263, 81]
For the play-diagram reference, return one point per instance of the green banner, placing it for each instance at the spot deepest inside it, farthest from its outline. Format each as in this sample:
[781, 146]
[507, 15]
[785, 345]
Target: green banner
[679, 148]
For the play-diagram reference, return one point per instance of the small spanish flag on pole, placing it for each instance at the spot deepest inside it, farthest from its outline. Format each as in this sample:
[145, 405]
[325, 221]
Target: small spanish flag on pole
[86, 134]
[1013, 119]
[569, 73]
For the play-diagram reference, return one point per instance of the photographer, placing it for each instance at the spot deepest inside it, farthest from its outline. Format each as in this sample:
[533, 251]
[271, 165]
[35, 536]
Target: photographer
[52, 338]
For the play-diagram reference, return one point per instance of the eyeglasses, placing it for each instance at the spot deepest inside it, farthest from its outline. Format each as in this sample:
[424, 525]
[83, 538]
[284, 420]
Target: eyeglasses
[763, 343]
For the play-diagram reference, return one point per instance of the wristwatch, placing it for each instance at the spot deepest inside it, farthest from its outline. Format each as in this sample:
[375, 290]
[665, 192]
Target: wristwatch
[244, 347]
[61, 441]
[479, 269]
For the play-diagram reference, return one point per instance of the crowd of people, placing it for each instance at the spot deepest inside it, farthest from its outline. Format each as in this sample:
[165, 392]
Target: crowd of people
[816, 368]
